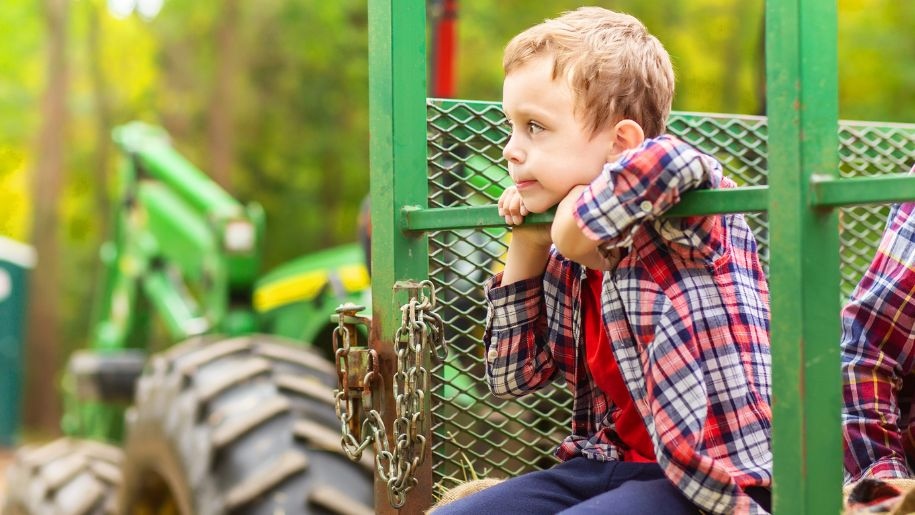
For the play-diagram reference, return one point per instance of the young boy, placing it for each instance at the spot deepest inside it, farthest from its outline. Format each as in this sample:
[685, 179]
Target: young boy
[878, 358]
[663, 338]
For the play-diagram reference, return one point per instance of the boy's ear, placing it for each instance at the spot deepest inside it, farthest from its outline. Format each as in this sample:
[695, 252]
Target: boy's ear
[627, 135]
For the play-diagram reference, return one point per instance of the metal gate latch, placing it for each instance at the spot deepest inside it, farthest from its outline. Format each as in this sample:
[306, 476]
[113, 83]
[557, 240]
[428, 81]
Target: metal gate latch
[420, 337]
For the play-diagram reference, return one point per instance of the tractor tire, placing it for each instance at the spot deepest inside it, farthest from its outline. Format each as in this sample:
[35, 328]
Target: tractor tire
[240, 426]
[64, 477]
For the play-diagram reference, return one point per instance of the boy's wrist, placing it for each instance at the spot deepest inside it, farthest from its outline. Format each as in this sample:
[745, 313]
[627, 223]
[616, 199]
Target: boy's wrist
[528, 253]
[565, 232]
[532, 238]
[568, 203]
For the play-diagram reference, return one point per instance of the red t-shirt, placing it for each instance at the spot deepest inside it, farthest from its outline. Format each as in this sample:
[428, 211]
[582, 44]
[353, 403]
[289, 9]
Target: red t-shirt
[630, 427]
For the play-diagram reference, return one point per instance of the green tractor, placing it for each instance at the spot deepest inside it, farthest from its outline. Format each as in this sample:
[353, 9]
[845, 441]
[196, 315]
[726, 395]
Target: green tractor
[240, 416]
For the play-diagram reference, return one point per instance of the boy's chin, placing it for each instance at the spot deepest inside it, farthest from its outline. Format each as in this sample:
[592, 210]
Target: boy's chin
[539, 207]
[536, 210]
[536, 204]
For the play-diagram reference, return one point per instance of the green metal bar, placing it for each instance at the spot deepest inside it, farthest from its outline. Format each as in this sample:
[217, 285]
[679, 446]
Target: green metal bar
[801, 67]
[829, 191]
[397, 116]
[432, 219]
[180, 233]
[826, 191]
[740, 200]
[177, 310]
[151, 146]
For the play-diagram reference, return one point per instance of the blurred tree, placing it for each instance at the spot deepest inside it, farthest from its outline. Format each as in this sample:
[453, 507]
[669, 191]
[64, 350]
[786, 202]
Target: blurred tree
[101, 98]
[876, 51]
[221, 127]
[42, 404]
[290, 78]
[713, 45]
[20, 84]
[271, 99]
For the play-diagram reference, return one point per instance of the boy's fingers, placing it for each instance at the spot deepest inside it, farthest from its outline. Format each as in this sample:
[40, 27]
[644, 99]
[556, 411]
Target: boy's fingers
[516, 211]
[511, 207]
[505, 200]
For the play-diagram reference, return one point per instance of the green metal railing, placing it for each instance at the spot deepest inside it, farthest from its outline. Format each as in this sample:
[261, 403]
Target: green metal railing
[437, 170]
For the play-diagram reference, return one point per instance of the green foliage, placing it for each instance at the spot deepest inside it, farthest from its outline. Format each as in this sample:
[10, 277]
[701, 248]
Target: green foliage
[20, 81]
[13, 196]
[714, 45]
[876, 52]
[299, 108]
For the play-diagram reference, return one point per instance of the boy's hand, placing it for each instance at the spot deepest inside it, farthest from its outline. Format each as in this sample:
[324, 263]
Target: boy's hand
[529, 248]
[511, 207]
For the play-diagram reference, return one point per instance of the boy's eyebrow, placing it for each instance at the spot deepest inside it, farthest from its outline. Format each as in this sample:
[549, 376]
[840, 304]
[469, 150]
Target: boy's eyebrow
[526, 112]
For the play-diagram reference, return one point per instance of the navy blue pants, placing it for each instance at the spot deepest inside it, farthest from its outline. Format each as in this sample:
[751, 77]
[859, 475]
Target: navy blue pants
[580, 486]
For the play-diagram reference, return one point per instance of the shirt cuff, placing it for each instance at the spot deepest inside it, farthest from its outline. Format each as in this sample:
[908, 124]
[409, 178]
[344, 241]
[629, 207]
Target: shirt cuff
[594, 205]
[886, 468]
[513, 305]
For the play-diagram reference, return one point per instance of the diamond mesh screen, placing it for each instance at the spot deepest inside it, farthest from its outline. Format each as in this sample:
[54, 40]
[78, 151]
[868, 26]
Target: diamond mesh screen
[476, 434]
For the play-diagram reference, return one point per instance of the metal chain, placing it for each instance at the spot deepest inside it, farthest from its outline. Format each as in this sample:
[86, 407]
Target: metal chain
[421, 330]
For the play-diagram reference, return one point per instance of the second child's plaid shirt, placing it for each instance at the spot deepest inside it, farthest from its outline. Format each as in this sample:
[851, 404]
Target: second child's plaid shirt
[686, 307]
[878, 358]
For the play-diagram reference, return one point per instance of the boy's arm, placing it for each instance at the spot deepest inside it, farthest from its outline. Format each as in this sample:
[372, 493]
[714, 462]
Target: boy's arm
[641, 186]
[528, 252]
[877, 353]
[570, 241]
[529, 247]
[517, 357]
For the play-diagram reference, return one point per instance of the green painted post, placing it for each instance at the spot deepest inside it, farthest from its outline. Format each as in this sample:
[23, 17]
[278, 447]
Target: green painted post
[15, 261]
[801, 68]
[397, 111]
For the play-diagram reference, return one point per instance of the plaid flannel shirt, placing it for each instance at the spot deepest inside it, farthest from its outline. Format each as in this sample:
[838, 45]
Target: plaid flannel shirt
[878, 357]
[686, 308]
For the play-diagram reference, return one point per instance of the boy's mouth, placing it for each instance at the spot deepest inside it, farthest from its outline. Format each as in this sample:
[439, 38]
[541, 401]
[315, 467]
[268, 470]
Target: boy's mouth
[524, 184]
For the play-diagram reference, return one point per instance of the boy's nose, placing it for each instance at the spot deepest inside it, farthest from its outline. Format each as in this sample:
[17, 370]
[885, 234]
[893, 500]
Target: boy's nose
[512, 152]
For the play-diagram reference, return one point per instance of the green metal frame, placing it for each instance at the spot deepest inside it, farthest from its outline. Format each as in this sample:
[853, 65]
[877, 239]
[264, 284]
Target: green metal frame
[397, 117]
[805, 192]
[802, 98]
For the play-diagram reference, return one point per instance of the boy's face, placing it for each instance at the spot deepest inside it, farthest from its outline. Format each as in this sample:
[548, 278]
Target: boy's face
[550, 150]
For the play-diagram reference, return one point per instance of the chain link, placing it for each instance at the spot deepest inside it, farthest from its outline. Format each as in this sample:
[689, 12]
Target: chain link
[421, 330]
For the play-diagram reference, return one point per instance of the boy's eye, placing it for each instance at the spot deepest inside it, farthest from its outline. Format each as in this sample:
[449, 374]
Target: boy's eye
[534, 127]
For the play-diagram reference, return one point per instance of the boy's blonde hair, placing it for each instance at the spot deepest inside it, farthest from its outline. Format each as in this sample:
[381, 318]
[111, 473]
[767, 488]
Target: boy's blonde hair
[616, 68]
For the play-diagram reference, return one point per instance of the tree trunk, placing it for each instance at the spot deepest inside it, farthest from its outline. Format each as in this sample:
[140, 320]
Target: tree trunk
[41, 406]
[221, 134]
[102, 150]
[178, 76]
[761, 67]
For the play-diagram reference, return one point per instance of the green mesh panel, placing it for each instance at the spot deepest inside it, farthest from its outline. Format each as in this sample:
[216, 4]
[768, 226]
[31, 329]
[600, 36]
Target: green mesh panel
[477, 434]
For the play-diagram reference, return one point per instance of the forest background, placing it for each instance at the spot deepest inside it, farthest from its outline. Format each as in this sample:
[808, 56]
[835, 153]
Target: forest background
[270, 97]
